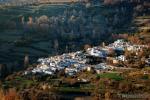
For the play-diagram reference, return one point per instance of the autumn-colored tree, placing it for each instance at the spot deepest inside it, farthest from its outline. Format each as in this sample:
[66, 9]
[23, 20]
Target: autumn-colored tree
[12, 94]
[142, 62]
[135, 74]
[96, 91]
[108, 1]
[73, 81]
[111, 1]
[125, 87]
[135, 39]
[145, 52]
[2, 95]
[107, 95]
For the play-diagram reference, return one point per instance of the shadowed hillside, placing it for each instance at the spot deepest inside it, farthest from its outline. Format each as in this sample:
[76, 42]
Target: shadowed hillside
[46, 29]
